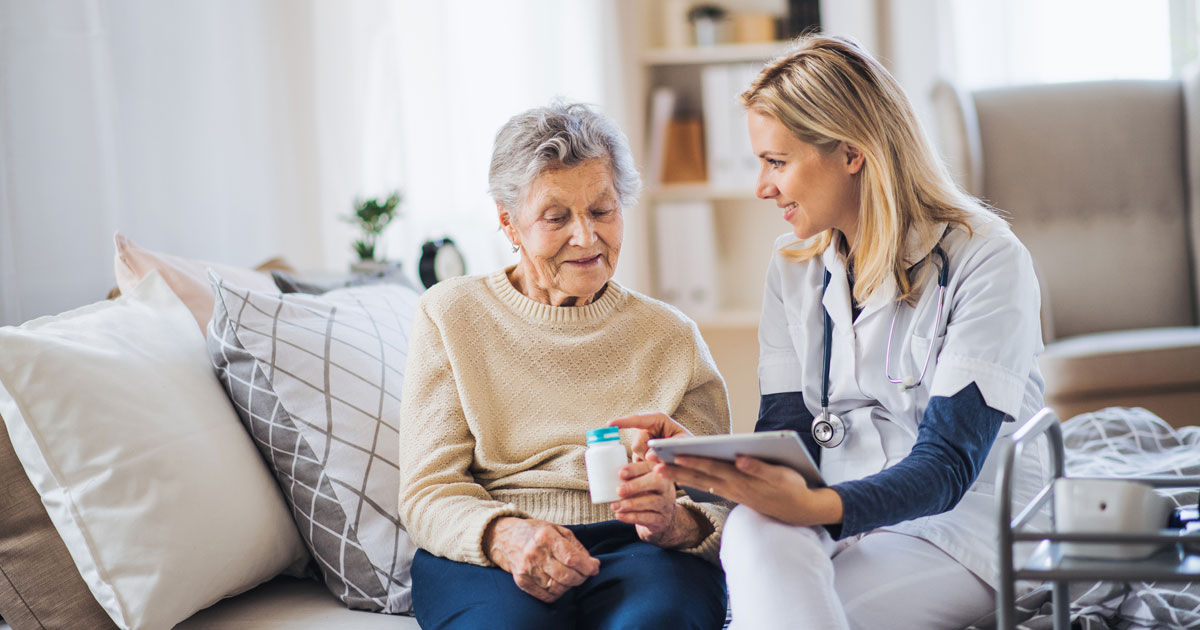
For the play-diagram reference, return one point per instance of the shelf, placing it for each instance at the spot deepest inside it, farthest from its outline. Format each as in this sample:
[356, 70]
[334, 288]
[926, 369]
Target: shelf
[702, 191]
[724, 53]
[1170, 564]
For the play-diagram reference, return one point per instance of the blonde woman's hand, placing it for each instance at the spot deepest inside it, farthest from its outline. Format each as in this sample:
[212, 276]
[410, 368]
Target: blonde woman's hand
[545, 560]
[649, 426]
[776, 491]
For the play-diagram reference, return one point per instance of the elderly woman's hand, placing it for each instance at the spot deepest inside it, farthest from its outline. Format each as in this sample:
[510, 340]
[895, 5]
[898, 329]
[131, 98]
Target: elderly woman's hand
[544, 559]
[648, 502]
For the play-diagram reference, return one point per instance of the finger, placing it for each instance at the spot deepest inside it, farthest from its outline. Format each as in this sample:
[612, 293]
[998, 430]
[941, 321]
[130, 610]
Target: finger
[695, 479]
[646, 502]
[570, 552]
[658, 425]
[567, 562]
[640, 445]
[636, 469]
[651, 520]
[535, 589]
[651, 484]
[557, 572]
[757, 468]
[708, 466]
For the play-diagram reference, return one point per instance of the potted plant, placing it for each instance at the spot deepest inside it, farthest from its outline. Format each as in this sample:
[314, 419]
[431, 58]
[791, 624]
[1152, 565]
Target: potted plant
[372, 216]
[706, 20]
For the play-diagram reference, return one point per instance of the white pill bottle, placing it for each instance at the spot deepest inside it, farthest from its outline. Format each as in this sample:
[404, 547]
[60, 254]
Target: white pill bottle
[605, 456]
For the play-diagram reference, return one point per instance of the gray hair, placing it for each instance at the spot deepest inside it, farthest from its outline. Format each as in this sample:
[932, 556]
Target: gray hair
[555, 136]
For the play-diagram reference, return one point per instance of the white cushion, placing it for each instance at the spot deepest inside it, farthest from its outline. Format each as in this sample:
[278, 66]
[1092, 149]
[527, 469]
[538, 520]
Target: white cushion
[139, 458]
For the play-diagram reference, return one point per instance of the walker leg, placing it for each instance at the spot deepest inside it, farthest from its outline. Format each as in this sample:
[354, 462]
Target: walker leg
[1062, 606]
[1005, 597]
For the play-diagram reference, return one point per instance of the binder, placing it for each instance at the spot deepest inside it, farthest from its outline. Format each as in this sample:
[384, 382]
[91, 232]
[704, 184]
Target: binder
[717, 97]
[732, 164]
[686, 257]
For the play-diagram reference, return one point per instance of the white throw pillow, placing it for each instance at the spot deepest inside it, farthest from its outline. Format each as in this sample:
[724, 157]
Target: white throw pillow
[317, 381]
[139, 458]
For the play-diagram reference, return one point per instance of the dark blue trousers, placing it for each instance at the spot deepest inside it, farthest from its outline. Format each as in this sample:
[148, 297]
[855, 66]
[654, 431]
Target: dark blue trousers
[639, 586]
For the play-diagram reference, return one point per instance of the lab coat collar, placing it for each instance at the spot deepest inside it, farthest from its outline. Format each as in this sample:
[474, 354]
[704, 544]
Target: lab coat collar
[837, 296]
[918, 245]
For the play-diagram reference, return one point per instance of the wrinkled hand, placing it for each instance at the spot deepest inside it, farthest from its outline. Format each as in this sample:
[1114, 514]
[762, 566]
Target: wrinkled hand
[648, 426]
[776, 491]
[545, 560]
[648, 502]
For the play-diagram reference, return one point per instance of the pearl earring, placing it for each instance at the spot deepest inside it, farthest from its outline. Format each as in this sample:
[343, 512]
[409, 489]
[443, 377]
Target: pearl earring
[516, 248]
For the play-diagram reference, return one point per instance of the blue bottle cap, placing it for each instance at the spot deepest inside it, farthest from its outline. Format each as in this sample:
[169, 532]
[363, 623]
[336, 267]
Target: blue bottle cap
[605, 434]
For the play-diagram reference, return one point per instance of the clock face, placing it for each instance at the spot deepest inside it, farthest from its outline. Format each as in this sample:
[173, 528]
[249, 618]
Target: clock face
[448, 262]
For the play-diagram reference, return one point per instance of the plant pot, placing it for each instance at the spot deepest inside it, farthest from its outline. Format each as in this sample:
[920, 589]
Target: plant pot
[373, 267]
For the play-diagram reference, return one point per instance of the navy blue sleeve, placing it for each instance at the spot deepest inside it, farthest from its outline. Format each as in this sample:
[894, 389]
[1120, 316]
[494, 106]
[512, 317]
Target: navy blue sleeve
[786, 410]
[953, 439]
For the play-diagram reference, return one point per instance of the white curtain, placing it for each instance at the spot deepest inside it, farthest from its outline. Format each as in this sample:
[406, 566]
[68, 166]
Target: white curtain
[235, 130]
[229, 130]
[468, 67]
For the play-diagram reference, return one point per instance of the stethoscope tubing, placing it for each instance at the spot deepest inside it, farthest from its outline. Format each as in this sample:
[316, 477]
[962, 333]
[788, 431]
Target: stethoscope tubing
[829, 430]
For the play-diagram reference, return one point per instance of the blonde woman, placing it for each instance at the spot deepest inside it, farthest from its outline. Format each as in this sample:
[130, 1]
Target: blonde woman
[899, 334]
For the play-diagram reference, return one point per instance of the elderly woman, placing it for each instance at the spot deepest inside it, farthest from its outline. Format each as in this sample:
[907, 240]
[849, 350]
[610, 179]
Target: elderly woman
[506, 373]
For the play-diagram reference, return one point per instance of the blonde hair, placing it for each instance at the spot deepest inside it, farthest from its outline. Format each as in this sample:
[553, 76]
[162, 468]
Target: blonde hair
[828, 90]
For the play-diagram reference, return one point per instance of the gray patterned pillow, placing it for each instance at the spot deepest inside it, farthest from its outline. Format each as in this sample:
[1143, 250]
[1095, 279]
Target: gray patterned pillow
[317, 381]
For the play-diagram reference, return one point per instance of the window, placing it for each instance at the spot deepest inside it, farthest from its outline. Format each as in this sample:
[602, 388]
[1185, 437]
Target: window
[1044, 41]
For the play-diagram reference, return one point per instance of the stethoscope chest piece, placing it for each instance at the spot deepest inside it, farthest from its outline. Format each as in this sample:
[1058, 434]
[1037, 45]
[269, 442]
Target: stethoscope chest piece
[828, 429]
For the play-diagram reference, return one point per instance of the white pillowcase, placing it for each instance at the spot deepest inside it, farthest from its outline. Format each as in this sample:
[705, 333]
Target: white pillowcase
[141, 462]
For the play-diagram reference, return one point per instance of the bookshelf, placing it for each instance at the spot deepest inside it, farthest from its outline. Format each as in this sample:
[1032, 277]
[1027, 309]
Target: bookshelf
[677, 192]
[721, 53]
[726, 243]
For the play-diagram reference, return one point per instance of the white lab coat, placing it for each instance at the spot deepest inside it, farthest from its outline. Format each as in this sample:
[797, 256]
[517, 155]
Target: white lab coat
[990, 334]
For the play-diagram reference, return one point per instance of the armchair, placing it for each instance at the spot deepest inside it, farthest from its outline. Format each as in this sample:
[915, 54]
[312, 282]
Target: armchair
[1101, 181]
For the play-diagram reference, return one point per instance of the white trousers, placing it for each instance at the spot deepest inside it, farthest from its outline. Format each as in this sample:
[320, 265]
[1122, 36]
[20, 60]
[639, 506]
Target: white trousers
[787, 577]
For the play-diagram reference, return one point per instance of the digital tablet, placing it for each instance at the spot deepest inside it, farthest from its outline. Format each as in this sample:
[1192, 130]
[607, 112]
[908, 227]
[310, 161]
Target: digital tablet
[774, 447]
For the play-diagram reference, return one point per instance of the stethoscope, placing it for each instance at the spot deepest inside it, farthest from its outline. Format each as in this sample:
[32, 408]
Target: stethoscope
[828, 429]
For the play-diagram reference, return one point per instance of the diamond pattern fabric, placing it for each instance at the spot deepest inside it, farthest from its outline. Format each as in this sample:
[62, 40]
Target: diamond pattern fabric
[317, 382]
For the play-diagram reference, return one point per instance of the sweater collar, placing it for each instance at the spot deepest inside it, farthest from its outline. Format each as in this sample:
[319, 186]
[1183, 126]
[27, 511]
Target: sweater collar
[595, 311]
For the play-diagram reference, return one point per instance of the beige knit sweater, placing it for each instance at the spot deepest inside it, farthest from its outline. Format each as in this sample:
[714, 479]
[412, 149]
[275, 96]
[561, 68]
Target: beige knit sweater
[499, 391]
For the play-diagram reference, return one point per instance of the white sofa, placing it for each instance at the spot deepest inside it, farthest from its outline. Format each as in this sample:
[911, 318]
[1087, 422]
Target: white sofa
[291, 604]
[287, 604]
[41, 586]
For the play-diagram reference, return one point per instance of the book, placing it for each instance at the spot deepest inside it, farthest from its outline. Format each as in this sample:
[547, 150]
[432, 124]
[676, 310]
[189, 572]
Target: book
[683, 156]
[662, 109]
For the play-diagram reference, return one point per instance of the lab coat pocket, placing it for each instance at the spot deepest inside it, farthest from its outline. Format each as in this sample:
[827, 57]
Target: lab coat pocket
[919, 349]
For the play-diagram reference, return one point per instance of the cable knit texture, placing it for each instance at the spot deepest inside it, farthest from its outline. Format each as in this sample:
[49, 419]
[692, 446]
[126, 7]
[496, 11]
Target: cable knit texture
[499, 391]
